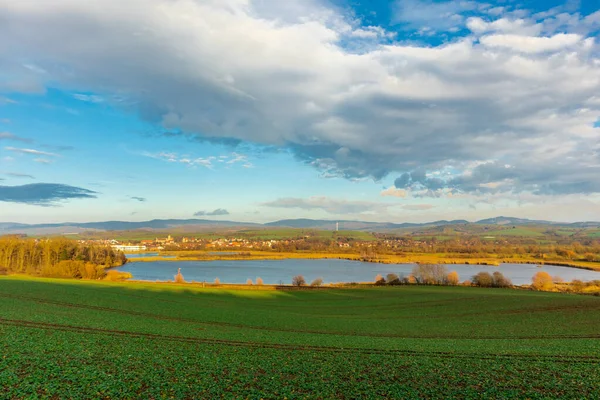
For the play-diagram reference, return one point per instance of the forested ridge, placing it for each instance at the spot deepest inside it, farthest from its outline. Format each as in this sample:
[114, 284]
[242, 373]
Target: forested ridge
[57, 257]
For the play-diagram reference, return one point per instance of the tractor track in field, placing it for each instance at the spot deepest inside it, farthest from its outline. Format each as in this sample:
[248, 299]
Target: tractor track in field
[290, 347]
[291, 330]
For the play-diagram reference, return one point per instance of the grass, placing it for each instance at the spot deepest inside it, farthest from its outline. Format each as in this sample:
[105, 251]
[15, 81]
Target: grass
[73, 339]
[519, 231]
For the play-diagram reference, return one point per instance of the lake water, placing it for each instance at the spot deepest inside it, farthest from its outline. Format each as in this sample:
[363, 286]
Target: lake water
[141, 255]
[278, 271]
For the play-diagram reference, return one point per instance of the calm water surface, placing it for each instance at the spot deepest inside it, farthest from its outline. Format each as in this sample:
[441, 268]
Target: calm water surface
[140, 255]
[277, 271]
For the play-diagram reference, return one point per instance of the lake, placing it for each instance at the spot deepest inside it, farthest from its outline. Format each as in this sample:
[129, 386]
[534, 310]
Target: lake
[142, 255]
[282, 271]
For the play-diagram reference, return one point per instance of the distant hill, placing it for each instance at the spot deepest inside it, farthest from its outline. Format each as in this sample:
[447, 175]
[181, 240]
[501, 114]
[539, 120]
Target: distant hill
[302, 223]
[512, 221]
[353, 225]
[77, 227]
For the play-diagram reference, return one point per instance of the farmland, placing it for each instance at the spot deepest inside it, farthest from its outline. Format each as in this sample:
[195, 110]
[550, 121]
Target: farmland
[80, 339]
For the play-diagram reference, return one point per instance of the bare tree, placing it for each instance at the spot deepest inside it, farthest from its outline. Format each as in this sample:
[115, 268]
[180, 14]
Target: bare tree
[499, 280]
[179, 277]
[298, 280]
[430, 274]
[483, 279]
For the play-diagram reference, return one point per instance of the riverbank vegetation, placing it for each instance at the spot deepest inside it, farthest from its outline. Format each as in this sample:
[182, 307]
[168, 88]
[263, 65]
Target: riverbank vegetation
[91, 339]
[57, 257]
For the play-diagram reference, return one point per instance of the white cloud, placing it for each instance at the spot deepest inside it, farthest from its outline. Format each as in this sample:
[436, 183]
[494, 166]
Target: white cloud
[504, 25]
[372, 32]
[531, 44]
[393, 192]
[88, 98]
[30, 151]
[193, 161]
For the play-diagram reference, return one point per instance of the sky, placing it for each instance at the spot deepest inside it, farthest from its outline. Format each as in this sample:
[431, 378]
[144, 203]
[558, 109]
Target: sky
[259, 110]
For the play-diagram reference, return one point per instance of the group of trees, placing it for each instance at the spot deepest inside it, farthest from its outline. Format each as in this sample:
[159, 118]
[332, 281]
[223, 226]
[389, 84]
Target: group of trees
[299, 280]
[485, 279]
[437, 274]
[57, 257]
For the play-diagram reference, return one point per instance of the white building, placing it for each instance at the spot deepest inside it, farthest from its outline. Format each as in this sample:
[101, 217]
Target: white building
[128, 248]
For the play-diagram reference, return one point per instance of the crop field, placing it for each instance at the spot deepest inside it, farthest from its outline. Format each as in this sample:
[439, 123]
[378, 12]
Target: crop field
[520, 231]
[74, 339]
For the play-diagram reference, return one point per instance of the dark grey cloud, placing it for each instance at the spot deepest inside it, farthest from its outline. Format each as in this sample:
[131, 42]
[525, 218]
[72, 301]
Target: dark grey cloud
[141, 199]
[13, 137]
[418, 178]
[43, 194]
[19, 175]
[557, 178]
[218, 211]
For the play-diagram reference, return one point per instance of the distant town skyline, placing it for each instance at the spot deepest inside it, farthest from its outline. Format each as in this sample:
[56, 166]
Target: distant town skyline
[256, 111]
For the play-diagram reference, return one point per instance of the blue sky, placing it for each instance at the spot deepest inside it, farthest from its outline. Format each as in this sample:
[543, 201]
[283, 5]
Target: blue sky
[257, 110]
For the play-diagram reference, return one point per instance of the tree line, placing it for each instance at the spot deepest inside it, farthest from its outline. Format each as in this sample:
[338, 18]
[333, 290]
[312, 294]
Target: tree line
[57, 257]
[437, 274]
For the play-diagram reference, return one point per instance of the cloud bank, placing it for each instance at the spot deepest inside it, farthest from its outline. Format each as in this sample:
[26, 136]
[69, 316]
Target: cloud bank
[500, 86]
[43, 194]
[218, 211]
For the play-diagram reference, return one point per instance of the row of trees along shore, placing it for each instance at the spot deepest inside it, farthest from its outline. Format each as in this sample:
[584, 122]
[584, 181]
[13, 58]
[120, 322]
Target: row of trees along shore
[57, 257]
[437, 274]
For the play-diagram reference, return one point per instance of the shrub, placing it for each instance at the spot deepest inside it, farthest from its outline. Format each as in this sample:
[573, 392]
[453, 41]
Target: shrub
[499, 280]
[249, 282]
[467, 283]
[392, 279]
[259, 281]
[379, 280]
[542, 281]
[217, 281]
[577, 285]
[483, 279]
[452, 278]
[113, 275]
[317, 282]
[179, 277]
[298, 280]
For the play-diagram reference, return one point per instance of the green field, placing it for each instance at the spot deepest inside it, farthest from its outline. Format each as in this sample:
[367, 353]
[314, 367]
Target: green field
[520, 231]
[74, 339]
